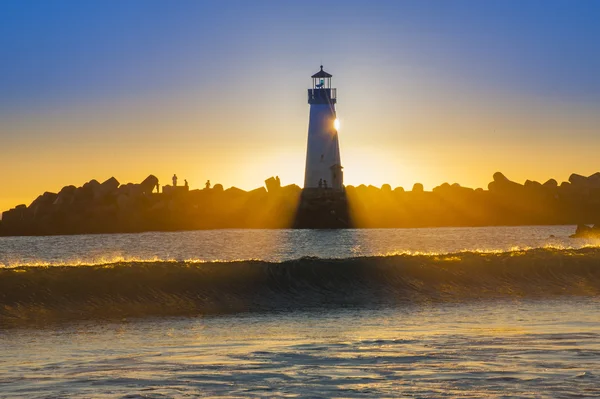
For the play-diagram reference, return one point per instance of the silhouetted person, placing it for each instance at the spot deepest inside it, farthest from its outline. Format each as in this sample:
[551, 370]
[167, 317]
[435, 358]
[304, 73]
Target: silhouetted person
[207, 186]
[157, 187]
[320, 183]
[325, 183]
[185, 183]
[174, 180]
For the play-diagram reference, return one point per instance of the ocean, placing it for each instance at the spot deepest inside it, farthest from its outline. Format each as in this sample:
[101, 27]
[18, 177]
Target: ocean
[495, 312]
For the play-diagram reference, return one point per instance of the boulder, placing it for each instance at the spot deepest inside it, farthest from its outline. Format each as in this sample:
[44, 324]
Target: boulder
[67, 190]
[501, 185]
[43, 205]
[444, 187]
[218, 188]
[273, 184]
[532, 184]
[234, 190]
[46, 198]
[91, 184]
[499, 177]
[583, 231]
[417, 188]
[257, 191]
[149, 184]
[594, 180]
[578, 180]
[110, 184]
[105, 189]
[15, 216]
[291, 189]
[551, 183]
[386, 188]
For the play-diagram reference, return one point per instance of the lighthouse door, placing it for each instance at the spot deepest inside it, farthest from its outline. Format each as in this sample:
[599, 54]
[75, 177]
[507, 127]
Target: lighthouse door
[336, 176]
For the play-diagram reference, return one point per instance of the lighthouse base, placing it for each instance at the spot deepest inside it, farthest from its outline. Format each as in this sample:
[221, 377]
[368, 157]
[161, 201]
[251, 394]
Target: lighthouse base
[322, 209]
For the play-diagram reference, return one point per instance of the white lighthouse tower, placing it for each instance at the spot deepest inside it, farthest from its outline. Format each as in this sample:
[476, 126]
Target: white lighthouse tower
[323, 164]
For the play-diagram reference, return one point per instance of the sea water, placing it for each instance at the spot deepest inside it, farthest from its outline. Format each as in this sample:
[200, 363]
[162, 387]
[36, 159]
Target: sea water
[449, 312]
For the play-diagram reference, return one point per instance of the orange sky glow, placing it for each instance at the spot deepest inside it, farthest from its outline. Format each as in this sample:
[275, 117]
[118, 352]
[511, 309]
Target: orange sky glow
[219, 93]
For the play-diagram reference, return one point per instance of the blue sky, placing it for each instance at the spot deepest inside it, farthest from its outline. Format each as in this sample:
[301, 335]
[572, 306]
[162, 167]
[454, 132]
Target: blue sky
[72, 50]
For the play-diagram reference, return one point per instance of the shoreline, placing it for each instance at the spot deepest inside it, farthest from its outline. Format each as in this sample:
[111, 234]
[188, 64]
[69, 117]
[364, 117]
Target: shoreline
[291, 228]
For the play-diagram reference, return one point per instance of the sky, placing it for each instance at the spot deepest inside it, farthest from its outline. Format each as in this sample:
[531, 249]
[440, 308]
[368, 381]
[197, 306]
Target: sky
[428, 91]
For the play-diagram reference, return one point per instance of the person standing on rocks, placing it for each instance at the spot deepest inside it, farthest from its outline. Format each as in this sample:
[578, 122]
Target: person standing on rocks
[174, 180]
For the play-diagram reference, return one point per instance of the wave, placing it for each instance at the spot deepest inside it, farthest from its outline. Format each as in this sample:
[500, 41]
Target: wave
[156, 287]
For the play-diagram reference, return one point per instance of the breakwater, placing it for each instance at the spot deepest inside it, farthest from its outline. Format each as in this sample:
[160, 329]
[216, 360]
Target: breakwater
[111, 207]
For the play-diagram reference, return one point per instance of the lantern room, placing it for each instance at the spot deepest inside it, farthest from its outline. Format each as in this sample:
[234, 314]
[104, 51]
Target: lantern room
[321, 92]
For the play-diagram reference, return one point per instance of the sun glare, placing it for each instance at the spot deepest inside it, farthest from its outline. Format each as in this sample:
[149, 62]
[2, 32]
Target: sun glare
[336, 124]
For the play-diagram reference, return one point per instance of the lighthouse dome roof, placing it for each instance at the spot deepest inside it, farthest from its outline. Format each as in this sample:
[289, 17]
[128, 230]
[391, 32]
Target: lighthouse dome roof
[322, 74]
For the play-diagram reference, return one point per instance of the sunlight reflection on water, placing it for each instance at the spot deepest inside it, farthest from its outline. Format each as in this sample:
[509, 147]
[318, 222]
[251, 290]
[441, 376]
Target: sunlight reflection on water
[277, 245]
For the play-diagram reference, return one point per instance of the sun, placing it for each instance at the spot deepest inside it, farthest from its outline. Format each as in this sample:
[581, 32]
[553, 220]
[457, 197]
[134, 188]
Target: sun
[336, 124]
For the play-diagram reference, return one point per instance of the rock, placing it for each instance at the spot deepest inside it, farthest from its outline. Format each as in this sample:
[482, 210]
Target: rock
[46, 198]
[91, 184]
[110, 184]
[501, 185]
[585, 231]
[532, 185]
[551, 183]
[257, 191]
[399, 190]
[273, 184]
[499, 177]
[578, 180]
[67, 190]
[66, 196]
[444, 187]
[386, 188]
[235, 190]
[417, 188]
[149, 184]
[15, 216]
[594, 180]
[103, 190]
[291, 190]
[219, 188]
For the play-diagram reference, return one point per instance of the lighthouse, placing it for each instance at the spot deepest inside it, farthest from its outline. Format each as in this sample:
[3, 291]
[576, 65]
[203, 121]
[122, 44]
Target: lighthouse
[323, 164]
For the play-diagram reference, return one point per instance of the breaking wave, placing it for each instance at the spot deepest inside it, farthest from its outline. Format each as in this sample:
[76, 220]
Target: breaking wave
[159, 287]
